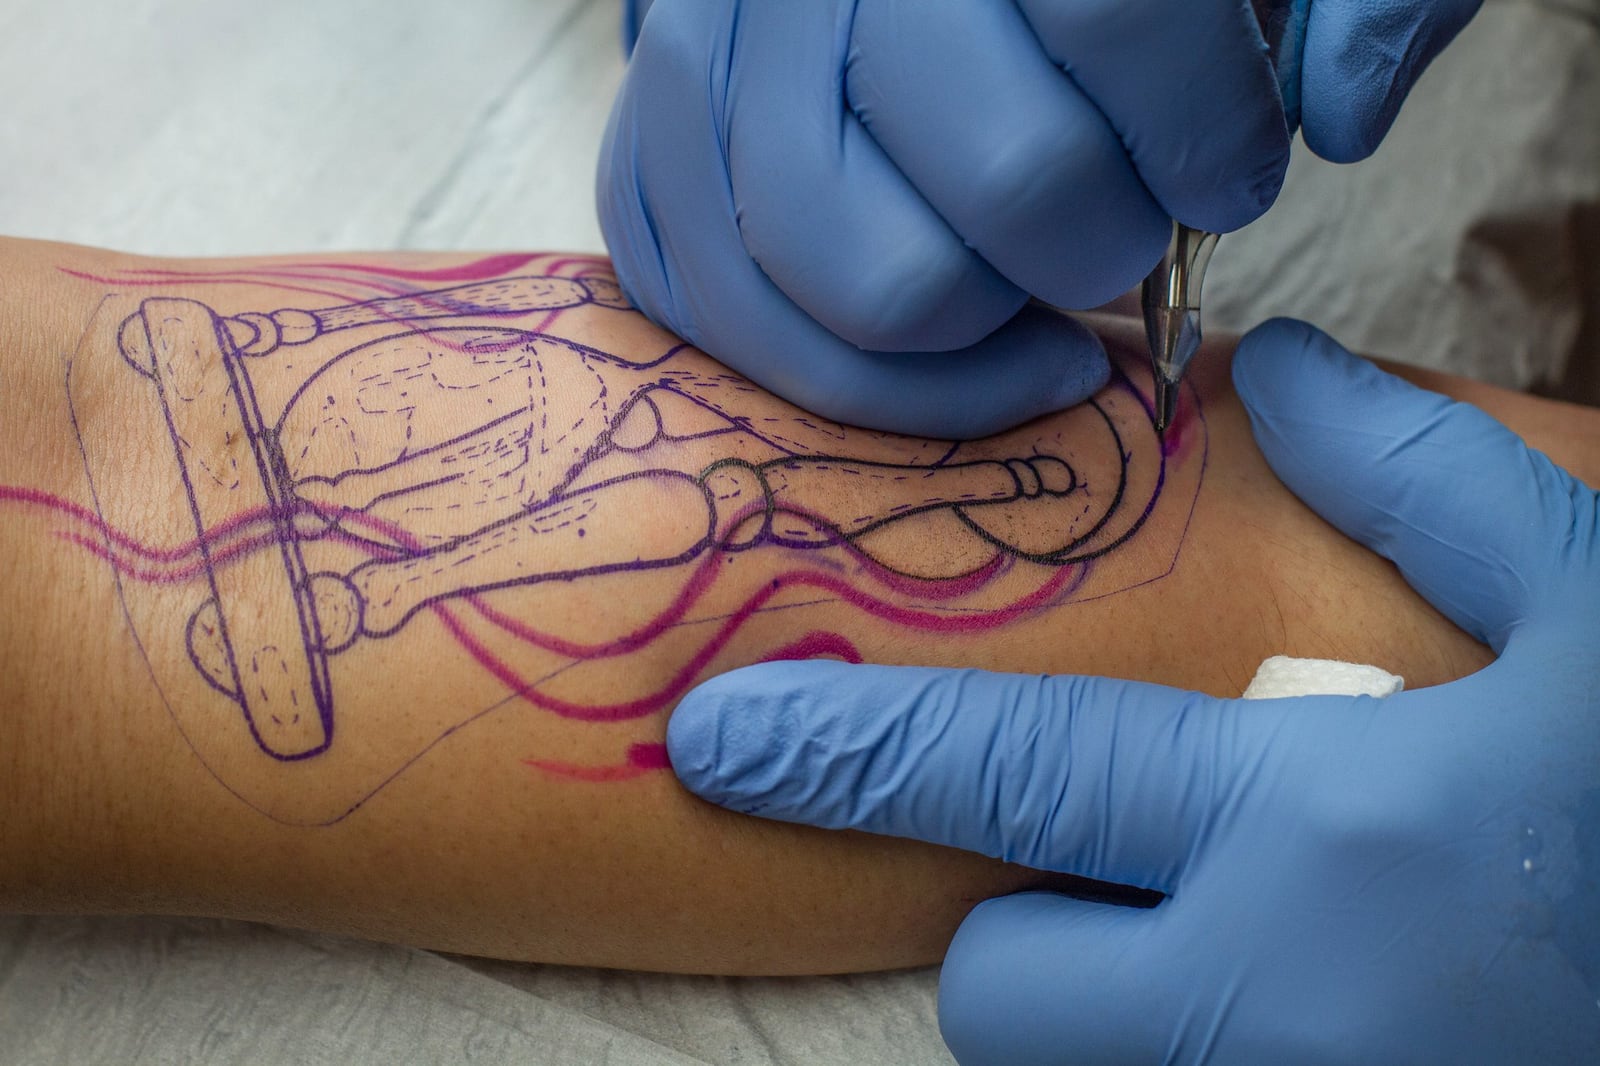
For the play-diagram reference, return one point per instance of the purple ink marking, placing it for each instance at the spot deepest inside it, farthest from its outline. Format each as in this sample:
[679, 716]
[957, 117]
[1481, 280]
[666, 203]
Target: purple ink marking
[500, 498]
[688, 674]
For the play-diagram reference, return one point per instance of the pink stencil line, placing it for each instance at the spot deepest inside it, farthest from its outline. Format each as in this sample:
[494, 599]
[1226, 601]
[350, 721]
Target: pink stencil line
[486, 267]
[208, 279]
[817, 644]
[943, 588]
[642, 759]
[645, 758]
[598, 712]
[684, 678]
[68, 509]
[702, 579]
[370, 288]
[477, 270]
[173, 574]
[234, 526]
[699, 583]
[227, 541]
[318, 272]
[923, 620]
[587, 262]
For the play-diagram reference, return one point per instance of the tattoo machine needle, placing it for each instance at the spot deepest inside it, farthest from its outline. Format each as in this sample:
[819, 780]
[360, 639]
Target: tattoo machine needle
[1171, 294]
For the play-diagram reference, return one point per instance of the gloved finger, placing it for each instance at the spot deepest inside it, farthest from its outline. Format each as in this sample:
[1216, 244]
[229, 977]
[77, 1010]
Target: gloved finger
[1041, 978]
[1477, 522]
[1190, 91]
[680, 258]
[825, 213]
[1113, 780]
[1019, 162]
[1361, 59]
[633, 13]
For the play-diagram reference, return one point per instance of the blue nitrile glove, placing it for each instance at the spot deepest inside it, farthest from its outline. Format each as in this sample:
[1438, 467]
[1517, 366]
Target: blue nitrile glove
[1414, 879]
[825, 194]
[633, 13]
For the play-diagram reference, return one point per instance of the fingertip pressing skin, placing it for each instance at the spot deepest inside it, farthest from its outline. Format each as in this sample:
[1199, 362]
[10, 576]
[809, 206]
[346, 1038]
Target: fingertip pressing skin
[694, 736]
[741, 739]
[758, 740]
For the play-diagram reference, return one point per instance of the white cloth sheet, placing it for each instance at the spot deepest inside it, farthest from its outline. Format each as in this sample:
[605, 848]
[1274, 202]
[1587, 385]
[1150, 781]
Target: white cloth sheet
[225, 127]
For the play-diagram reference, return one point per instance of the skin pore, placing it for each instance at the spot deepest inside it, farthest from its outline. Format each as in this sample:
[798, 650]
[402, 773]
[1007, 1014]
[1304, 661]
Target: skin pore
[353, 593]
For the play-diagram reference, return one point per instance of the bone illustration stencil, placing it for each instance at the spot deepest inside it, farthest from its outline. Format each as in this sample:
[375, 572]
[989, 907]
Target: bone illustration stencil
[432, 456]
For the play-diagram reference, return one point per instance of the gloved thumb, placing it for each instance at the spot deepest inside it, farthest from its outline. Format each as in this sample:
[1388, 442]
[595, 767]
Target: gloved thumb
[1043, 978]
[1361, 59]
[1406, 471]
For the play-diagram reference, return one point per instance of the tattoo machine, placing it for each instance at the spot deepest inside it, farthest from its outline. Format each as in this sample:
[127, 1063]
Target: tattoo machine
[1171, 295]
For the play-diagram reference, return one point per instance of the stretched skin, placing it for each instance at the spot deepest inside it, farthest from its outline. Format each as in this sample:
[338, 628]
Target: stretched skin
[490, 838]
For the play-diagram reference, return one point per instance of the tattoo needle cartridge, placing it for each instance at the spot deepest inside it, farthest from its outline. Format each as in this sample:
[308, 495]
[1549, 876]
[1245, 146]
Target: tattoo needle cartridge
[1170, 298]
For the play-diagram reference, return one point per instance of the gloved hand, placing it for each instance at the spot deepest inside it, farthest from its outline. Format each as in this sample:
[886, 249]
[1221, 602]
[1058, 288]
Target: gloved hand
[633, 13]
[1414, 879]
[851, 201]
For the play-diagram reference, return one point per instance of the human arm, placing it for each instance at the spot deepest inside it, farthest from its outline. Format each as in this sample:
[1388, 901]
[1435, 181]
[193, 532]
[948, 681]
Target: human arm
[798, 189]
[1406, 880]
[491, 778]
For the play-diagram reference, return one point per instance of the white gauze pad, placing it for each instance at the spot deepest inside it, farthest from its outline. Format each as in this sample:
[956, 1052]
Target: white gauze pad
[1283, 676]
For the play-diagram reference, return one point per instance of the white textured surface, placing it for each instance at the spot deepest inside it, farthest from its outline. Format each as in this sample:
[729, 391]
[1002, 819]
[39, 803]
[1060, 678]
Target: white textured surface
[212, 993]
[189, 127]
[224, 127]
[1282, 676]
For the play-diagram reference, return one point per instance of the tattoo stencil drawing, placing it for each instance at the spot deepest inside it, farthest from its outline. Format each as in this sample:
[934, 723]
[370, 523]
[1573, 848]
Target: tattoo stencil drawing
[445, 464]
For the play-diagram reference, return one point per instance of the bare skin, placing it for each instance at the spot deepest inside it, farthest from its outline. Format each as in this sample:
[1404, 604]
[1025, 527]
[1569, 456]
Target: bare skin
[379, 634]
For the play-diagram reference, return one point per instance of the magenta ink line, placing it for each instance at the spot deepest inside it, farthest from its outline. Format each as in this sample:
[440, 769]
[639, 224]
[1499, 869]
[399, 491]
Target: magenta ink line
[641, 759]
[645, 758]
[68, 509]
[595, 775]
[587, 262]
[235, 526]
[218, 280]
[685, 677]
[700, 581]
[448, 560]
[477, 270]
[649, 756]
[222, 556]
[817, 644]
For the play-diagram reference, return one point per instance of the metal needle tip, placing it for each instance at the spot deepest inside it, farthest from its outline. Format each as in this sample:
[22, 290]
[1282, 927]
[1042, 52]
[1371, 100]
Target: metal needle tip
[1171, 303]
[1166, 403]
